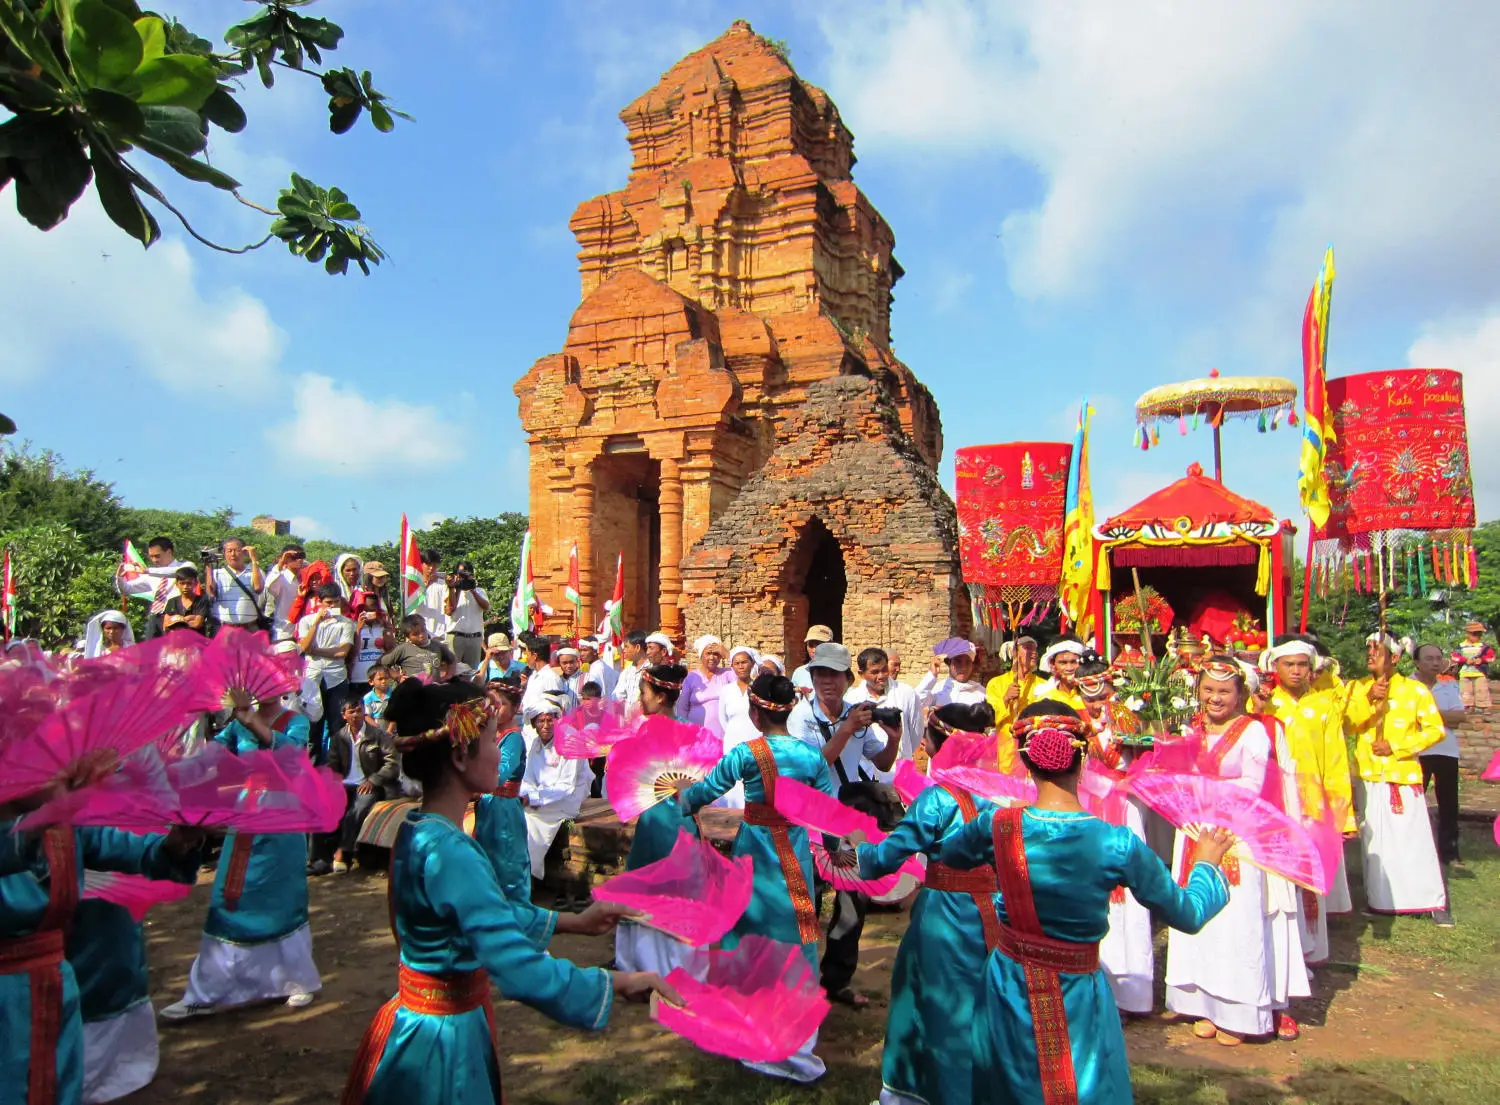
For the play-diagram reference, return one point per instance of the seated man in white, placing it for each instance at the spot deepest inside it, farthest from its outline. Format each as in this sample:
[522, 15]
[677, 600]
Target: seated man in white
[553, 788]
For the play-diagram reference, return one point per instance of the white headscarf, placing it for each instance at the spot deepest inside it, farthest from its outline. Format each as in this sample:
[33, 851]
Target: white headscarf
[338, 575]
[1269, 657]
[706, 641]
[1394, 647]
[1054, 649]
[745, 650]
[775, 662]
[93, 636]
[659, 638]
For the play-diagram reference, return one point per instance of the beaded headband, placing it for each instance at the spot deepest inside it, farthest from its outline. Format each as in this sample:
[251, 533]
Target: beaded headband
[1221, 672]
[462, 724]
[1095, 686]
[767, 704]
[1065, 722]
[660, 684]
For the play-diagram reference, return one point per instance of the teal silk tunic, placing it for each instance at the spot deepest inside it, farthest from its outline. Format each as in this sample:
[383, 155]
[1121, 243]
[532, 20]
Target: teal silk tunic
[939, 966]
[656, 832]
[107, 948]
[500, 824]
[452, 916]
[273, 903]
[23, 901]
[771, 912]
[1074, 861]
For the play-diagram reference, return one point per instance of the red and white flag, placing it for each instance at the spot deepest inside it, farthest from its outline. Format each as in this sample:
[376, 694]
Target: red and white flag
[612, 629]
[413, 589]
[573, 591]
[8, 600]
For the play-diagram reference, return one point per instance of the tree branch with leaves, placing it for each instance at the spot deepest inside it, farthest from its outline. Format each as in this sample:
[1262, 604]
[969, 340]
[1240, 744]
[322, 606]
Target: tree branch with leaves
[90, 81]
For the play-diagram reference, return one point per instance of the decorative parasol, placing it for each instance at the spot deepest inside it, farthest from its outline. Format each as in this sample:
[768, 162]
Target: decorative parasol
[1401, 496]
[1212, 399]
[1011, 503]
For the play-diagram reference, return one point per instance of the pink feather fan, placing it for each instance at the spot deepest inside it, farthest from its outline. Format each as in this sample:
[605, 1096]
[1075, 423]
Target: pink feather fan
[647, 768]
[591, 730]
[1491, 774]
[971, 761]
[909, 782]
[759, 1002]
[268, 791]
[93, 732]
[134, 892]
[694, 894]
[241, 660]
[812, 809]
[1101, 791]
[839, 870]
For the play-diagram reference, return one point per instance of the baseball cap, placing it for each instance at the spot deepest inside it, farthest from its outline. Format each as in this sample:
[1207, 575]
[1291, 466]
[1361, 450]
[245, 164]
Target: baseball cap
[498, 640]
[376, 570]
[818, 633]
[834, 657]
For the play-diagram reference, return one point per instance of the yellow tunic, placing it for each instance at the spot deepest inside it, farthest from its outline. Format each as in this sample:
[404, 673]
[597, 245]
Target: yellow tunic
[1411, 724]
[1328, 679]
[994, 694]
[1050, 689]
[1315, 734]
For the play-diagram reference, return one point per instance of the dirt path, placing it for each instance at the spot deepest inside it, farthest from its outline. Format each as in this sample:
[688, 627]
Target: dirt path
[1390, 1009]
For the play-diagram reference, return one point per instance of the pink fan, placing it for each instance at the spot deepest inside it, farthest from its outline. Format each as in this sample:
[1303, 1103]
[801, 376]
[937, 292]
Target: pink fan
[970, 761]
[695, 894]
[590, 731]
[909, 782]
[759, 1002]
[270, 791]
[1268, 837]
[135, 892]
[812, 809]
[1101, 791]
[646, 768]
[94, 732]
[844, 875]
[1491, 774]
[241, 660]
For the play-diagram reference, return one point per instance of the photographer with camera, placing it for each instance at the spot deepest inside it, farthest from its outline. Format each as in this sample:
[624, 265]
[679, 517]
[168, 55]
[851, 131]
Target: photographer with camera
[894, 703]
[233, 585]
[282, 585]
[464, 606]
[846, 735]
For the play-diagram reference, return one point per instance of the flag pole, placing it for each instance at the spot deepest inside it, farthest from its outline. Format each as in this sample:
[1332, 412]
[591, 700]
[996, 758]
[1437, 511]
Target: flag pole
[1307, 571]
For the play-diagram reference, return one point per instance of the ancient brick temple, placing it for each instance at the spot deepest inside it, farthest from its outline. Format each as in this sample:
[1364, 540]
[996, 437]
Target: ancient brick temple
[726, 411]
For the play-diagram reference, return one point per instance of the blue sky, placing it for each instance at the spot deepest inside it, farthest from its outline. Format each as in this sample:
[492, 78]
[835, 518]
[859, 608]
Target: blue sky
[1087, 198]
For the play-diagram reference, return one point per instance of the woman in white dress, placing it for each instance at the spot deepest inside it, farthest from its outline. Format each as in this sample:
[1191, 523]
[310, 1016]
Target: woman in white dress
[734, 713]
[1237, 975]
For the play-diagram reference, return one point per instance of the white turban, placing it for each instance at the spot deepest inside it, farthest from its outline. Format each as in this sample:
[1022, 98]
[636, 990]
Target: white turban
[744, 650]
[1056, 648]
[1292, 648]
[567, 651]
[663, 640]
[706, 641]
[1393, 646]
[545, 704]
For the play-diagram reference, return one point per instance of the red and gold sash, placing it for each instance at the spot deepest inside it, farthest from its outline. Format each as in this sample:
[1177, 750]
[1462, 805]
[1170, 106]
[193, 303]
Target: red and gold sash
[1042, 958]
[507, 790]
[431, 995]
[978, 883]
[764, 815]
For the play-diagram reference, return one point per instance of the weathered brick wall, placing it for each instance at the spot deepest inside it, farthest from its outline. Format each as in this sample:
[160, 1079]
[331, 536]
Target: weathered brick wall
[1479, 735]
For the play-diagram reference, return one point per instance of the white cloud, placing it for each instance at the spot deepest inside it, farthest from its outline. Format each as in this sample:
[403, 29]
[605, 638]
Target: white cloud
[418, 437]
[86, 293]
[1191, 144]
[1472, 346]
[431, 518]
[308, 528]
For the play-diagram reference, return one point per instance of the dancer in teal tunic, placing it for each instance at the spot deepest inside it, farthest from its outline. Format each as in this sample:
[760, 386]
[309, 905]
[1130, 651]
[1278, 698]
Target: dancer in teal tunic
[107, 947]
[434, 1043]
[499, 820]
[256, 942]
[953, 929]
[1045, 1007]
[781, 903]
[41, 1047]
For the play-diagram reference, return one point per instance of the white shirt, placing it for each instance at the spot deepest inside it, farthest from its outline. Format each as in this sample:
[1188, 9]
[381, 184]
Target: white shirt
[903, 698]
[356, 773]
[553, 786]
[434, 609]
[947, 689]
[281, 590]
[802, 678]
[334, 630]
[628, 686]
[734, 716]
[232, 606]
[804, 725]
[366, 651]
[548, 681]
[148, 584]
[466, 616]
[1445, 694]
[606, 676]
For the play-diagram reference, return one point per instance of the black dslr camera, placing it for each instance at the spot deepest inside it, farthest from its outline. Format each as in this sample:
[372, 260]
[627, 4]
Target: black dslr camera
[462, 580]
[210, 555]
[886, 715]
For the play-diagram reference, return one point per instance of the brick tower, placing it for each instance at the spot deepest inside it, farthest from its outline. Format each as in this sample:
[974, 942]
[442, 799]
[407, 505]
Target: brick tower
[726, 411]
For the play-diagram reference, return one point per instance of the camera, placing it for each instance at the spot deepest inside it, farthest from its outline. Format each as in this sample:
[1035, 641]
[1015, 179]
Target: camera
[462, 581]
[886, 715]
[210, 554]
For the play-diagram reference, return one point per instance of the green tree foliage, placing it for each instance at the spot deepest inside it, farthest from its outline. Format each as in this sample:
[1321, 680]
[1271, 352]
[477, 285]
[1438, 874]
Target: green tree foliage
[60, 583]
[35, 489]
[98, 87]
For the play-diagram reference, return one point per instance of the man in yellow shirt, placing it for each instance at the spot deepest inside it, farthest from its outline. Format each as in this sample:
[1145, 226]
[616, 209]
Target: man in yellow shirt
[1060, 662]
[1009, 694]
[1393, 719]
[1314, 726]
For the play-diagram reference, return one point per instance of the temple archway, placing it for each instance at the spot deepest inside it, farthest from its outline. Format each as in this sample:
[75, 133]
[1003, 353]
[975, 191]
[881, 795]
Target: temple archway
[816, 586]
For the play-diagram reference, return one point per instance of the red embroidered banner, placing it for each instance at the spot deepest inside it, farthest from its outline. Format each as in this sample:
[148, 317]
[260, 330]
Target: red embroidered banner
[1400, 458]
[1011, 500]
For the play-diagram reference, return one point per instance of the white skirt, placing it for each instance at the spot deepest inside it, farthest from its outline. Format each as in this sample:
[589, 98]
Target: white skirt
[1126, 952]
[1313, 928]
[803, 1066]
[1402, 873]
[541, 831]
[227, 974]
[641, 948]
[1339, 898]
[119, 1054]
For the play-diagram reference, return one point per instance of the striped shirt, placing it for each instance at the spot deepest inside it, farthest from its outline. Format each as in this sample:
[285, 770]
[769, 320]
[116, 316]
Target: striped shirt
[232, 605]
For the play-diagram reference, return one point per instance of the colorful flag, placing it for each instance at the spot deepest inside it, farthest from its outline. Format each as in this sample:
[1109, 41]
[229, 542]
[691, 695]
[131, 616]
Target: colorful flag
[1317, 426]
[524, 605]
[132, 566]
[8, 600]
[572, 591]
[612, 629]
[1078, 530]
[413, 587]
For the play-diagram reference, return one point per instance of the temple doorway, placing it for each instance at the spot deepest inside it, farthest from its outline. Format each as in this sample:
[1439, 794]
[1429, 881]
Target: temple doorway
[627, 520]
[817, 585]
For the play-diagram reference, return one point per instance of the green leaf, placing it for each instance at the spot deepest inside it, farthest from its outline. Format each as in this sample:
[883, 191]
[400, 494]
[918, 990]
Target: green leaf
[306, 189]
[224, 111]
[114, 110]
[153, 34]
[177, 128]
[117, 195]
[181, 80]
[104, 46]
[263, 64]
[381, 118]
[190, 167]
[342, 115]
[346, 212]
[24, 30]
[47, 186]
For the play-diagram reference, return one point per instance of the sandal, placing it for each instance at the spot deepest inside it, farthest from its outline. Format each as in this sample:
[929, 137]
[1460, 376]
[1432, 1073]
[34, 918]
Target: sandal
[848, 996]
[1228, 1039]
[1204, 1030]
[1286, 1028]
